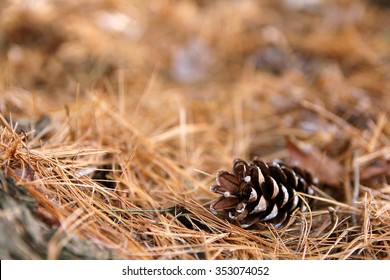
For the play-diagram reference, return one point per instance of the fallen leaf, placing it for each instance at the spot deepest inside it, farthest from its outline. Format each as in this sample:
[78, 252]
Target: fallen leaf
[381, 168]
[326, 169]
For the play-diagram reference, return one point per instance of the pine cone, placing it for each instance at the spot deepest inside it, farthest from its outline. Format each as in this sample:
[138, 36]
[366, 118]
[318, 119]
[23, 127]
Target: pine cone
[261, 192]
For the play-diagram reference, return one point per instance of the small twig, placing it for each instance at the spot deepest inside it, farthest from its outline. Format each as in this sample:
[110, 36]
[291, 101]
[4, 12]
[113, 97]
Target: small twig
[333, 216]
[356, 179]
[356, 184]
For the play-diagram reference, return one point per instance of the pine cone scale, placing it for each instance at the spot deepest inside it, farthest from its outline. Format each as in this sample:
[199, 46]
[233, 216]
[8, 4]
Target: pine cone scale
[273, 214]
[261, 206]
[270, 188]
[226, 182]
[283, 196]
[224, 203]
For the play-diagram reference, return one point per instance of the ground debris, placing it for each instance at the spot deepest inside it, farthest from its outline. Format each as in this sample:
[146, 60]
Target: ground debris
[111, 111]
[24, 236]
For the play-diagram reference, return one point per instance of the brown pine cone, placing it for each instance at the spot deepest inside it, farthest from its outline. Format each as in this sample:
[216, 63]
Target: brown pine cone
[261, 192]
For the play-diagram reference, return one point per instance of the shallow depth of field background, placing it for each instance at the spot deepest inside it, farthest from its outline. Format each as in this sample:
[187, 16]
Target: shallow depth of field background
[116, 116]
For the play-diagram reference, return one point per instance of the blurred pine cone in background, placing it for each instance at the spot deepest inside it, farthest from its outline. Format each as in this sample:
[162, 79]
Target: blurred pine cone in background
[261, 192]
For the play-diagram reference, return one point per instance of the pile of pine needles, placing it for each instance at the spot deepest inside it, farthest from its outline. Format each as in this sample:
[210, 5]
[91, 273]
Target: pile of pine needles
[116, 116]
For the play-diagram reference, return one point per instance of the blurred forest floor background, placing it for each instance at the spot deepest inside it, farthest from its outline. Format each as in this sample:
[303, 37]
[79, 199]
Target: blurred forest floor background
[116, 116]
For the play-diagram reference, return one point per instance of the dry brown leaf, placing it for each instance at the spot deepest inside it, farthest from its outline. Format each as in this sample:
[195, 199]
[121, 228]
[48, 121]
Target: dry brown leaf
[382, 168]
[327, 170]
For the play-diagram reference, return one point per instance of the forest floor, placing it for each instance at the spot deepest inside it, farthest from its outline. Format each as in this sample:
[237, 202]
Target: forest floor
[117, 115]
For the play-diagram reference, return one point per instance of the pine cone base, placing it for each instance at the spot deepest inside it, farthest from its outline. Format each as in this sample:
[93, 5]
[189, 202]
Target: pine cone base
[261, 192]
